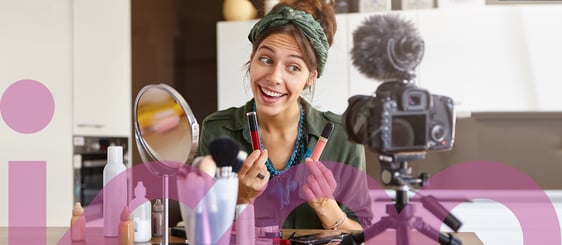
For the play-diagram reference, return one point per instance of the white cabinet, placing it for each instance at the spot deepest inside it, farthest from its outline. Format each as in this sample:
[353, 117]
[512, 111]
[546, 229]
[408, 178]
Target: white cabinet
[102, 68]
[507, 52]
[36, 44]
[80, 51]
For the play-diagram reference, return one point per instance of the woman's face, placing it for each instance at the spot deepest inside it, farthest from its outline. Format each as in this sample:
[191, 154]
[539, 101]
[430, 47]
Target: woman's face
[278, 74]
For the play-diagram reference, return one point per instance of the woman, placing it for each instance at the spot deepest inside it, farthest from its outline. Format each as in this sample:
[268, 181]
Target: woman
[290, 48]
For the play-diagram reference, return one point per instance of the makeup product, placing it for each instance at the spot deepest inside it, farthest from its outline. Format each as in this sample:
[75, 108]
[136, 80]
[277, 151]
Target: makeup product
[227, 153]
[77, 223]
[254, 130]
[322, 141]
[245, 224]
[126, 228]
[141, 214]
[114, 190]
[206, 165]
[157, 218]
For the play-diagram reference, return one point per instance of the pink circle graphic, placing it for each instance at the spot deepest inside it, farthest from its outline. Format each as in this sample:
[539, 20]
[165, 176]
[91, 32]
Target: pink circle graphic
[27, 106]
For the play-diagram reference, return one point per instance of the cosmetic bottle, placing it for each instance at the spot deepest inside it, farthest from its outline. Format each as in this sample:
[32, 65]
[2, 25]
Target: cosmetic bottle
[141, 214]
[245, 224]
[77, 223]
[126, 228]
[157, 218]
[114, 190]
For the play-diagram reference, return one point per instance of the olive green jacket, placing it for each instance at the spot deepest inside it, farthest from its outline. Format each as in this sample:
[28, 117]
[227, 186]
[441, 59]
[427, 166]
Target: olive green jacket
[233, 123]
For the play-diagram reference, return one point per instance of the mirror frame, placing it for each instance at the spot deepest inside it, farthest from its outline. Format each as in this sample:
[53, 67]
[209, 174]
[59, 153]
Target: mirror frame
[145, 151]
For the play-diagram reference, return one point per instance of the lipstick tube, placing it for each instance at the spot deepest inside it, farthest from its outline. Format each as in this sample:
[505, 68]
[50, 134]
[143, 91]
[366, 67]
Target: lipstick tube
[322, 141]
[254, 130]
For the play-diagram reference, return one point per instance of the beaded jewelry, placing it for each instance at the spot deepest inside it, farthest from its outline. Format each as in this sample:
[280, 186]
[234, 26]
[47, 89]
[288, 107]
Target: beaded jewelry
[297, 151]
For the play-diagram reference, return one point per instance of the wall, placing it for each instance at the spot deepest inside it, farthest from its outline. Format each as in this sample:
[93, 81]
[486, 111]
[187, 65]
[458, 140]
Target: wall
[490, 59]
[505, 52]
[530, 142]
[173, 42]
[36, 44]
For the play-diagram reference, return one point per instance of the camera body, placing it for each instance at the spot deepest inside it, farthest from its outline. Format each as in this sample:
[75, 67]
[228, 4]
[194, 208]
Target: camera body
[401, 117]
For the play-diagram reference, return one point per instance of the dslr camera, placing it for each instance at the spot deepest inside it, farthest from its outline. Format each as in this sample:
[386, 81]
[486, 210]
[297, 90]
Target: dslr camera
[401, 117]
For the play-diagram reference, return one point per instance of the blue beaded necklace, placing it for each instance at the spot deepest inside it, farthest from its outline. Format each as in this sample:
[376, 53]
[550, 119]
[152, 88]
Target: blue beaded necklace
[294, 155]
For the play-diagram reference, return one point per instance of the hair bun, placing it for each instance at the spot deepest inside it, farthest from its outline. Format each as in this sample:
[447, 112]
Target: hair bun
[322, 11]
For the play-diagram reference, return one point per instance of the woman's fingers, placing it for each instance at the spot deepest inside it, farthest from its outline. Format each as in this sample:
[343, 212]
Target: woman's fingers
[249, 162]
[308, 193]
[323, 176]
[328, 176]
[253, 176]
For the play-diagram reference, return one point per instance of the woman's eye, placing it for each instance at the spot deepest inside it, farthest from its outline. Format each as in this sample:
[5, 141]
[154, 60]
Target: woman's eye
[294, 68]
[265, 60]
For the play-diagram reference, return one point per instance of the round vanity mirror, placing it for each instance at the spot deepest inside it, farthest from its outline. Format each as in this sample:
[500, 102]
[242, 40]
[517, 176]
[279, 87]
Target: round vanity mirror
[166, 130]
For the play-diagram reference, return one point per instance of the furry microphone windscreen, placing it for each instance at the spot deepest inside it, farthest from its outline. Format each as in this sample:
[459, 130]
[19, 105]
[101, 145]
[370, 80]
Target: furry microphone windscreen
[387, 47]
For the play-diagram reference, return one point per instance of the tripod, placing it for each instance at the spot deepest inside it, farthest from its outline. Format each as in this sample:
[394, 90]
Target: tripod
[400, 215]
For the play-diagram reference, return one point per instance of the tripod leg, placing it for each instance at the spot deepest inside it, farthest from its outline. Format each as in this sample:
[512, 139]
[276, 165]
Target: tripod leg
[403, 234]
[442, 238]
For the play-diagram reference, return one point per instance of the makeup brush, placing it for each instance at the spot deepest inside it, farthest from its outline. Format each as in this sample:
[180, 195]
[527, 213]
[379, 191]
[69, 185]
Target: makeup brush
[227, 155]
[206, 164]
[222, 197]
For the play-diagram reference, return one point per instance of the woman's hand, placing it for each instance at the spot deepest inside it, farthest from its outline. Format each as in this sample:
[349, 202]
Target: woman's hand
[320, 186]
[319, 191]
[252, 177]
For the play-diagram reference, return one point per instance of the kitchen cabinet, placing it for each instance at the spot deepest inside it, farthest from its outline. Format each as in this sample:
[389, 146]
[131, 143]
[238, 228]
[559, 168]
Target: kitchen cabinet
[506, 52]
[36, 44]
[101, 68]
[80, 51]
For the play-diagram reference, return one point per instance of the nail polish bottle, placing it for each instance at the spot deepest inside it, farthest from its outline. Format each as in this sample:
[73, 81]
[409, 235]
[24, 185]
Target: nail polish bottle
[77, 223]
[126, 228]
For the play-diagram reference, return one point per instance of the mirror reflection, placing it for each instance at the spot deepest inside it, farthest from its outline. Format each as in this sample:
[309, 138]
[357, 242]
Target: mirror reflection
[165, 127]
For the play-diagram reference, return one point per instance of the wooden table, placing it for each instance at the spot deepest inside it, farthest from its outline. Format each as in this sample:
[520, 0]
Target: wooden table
[58, 235]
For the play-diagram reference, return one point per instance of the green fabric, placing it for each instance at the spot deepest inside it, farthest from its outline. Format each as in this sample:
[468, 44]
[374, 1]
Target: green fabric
[232, 122]
[305, 22]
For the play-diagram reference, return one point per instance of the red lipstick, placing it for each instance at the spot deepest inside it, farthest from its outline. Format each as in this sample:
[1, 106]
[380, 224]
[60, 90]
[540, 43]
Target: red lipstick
[254, 131]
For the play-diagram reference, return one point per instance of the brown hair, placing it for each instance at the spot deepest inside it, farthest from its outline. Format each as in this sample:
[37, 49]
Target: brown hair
[321, 11]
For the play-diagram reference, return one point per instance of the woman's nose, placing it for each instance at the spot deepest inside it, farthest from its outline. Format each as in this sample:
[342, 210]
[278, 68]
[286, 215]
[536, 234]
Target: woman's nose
[276, 74]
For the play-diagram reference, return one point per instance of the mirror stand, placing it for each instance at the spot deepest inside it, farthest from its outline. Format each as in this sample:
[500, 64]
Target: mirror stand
[166, 132]
[165, 196]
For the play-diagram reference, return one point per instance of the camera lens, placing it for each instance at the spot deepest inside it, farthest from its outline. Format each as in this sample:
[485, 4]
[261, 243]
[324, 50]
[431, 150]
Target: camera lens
[356, 118]
[438, 133]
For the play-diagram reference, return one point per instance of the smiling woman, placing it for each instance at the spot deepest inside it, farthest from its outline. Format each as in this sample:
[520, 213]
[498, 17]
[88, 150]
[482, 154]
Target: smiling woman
[289, 52]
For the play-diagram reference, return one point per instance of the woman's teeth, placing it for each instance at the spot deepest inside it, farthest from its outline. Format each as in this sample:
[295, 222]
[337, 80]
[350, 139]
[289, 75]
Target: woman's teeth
[271, 93]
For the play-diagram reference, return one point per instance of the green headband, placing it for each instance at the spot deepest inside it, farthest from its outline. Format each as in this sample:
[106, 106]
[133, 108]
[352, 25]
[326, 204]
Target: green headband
[305, 22]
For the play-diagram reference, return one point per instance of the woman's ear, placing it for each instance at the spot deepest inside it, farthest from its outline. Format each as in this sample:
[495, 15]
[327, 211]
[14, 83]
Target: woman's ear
[311, 78]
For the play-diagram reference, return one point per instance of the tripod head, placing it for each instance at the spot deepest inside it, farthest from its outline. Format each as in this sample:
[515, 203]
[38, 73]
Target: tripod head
[396, 172]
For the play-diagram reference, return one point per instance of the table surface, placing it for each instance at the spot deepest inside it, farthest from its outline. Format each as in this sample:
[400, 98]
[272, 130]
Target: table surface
[54, 235]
